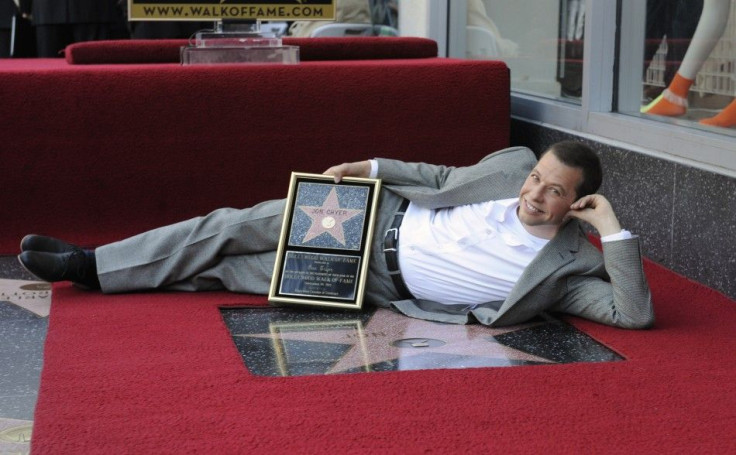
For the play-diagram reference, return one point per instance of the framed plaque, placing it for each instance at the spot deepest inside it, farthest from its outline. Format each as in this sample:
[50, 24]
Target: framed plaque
[325, 244]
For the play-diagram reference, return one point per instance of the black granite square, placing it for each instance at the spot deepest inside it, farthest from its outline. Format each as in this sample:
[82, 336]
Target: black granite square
[296, 342]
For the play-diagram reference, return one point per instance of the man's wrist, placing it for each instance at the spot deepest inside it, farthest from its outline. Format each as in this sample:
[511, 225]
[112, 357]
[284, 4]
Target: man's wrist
[607, 225]
[622, 235]
[374, 169]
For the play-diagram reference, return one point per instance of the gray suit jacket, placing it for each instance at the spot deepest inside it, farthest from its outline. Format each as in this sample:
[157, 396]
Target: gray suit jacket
[569, 274]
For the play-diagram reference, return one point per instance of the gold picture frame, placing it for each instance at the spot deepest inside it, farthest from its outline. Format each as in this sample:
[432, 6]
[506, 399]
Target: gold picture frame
[325, 244]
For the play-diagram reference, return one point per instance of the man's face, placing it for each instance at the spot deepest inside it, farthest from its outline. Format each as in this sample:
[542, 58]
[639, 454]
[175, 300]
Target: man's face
[546, 196]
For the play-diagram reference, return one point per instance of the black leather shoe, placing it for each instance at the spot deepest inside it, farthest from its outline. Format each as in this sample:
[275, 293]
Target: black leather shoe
[77, 266]
[34, 242]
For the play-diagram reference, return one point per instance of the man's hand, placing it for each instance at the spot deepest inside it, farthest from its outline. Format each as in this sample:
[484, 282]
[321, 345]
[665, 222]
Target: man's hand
[596, 210]
[357, 169]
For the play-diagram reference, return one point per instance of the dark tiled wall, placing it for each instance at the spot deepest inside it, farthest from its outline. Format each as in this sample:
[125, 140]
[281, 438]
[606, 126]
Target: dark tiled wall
[686, 216]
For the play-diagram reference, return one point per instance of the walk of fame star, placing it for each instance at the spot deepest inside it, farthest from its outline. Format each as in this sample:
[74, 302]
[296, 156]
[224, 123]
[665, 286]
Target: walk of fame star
[384, 340]
[329, 218]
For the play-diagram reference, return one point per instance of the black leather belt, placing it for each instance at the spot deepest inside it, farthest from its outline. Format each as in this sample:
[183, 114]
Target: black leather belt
[390, 249]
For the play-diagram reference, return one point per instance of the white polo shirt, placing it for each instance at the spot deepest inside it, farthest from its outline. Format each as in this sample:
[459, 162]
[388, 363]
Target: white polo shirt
[465, 255]
[469, 254]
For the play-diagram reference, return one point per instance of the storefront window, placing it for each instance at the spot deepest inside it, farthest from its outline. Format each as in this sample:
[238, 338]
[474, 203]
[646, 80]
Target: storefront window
[604, 67]
[353, 18]
[540, 40]
[689, 75]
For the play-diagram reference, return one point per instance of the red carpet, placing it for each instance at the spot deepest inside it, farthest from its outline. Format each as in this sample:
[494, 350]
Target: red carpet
[158, 374]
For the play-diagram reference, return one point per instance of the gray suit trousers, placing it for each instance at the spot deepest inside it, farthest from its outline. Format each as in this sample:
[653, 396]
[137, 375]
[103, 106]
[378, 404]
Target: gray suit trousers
[228, 249]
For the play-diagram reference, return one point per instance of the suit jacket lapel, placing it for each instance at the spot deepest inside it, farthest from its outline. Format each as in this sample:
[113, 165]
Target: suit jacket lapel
[555, 255]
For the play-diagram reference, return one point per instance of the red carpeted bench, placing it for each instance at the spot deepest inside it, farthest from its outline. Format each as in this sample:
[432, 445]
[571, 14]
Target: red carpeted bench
[97, 152]
[310, 49]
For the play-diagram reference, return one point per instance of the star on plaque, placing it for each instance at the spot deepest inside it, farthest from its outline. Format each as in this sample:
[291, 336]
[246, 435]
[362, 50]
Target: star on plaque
[328, 218]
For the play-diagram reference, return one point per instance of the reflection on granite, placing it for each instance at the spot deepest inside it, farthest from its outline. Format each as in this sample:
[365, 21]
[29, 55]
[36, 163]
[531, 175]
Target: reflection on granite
[296, 342]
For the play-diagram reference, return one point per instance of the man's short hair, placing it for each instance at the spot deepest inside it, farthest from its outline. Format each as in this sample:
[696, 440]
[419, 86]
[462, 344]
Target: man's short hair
[578, 155]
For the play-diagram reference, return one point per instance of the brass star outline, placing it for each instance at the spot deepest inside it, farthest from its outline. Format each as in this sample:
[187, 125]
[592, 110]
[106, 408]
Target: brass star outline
[329, 218]
[371, 344]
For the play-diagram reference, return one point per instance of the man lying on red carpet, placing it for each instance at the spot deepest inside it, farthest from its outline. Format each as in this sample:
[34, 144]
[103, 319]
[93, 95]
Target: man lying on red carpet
[498, 242]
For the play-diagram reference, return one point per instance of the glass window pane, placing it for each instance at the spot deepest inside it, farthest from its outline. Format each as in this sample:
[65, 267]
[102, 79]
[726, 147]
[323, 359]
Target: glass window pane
[353, 18]
[689, 75]
[540, 40]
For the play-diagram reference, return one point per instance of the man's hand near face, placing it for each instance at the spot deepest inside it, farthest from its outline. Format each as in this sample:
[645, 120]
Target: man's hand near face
[597, 211]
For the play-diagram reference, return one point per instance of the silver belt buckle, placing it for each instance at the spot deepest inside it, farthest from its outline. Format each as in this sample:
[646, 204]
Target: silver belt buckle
[396, 237]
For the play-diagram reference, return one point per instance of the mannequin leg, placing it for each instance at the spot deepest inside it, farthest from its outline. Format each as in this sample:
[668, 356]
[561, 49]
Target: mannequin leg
[725, 119]
[712, 24]
[710, 28]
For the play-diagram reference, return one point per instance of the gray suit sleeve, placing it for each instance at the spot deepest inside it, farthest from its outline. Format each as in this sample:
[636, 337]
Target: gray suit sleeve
[625, 301]
[395, 172]
[497, 176]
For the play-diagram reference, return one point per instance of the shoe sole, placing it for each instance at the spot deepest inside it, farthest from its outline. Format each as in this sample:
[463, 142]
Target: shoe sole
[26, 269]
[76, 285]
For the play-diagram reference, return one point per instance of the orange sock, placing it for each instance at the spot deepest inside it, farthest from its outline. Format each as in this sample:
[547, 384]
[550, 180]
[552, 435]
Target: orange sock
[680, 86]
[725, 119]
[673, 101]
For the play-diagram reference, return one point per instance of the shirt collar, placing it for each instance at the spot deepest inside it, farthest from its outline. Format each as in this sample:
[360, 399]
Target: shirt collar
[503, 213]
